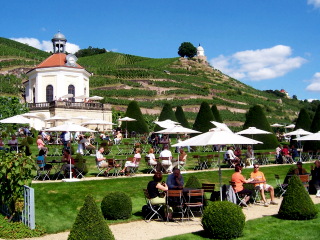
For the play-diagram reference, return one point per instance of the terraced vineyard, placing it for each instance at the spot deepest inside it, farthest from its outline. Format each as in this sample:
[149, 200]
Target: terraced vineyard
[121, 78]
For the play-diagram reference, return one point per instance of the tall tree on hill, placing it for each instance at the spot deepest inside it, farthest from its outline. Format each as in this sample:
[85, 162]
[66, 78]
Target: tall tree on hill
[315, 127]
[166, 113]
[256, 117]
[216, 113]
[139, 126]
[204, 116]
[187, 49]
[303, 121]
[181, 118]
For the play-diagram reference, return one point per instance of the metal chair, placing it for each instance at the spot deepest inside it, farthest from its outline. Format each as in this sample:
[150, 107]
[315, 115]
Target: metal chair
[240, 197]
[41, 171]
[195, 200]
[154, 208]
[282, 187]
[174, 199]
[152, 168]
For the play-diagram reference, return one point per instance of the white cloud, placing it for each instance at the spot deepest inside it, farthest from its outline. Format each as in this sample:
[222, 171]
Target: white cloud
[315, 3]
[46, 45]
[258, 64]
[315, 83]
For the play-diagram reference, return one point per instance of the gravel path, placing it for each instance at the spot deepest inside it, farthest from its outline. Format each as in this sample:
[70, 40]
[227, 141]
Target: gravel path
[157, 230]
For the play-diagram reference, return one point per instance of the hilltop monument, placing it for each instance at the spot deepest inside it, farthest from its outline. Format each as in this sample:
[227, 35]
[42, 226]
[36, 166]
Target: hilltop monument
[200, 54]
[59, 85]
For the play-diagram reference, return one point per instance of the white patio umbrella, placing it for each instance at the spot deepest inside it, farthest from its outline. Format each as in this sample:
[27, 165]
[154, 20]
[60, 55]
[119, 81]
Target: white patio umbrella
[222, 126]
[97, 122]
[81, 117]
[290, 126]
[217, 137]
[16, 119]
[56, 118]
[298, 133]
[30, 115]
[95, 98]
[69, 128]
[253, 131]
[166, 123]
[310, 137]
[81, 97]
[127, 119]
[177, 129]
[276, 125]
[69, 95]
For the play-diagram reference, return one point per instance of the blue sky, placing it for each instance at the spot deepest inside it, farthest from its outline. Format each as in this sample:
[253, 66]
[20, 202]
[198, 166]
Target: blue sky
[267, 44]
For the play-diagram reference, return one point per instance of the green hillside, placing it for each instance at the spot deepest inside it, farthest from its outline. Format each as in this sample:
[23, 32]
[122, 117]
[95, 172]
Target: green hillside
[121, 78]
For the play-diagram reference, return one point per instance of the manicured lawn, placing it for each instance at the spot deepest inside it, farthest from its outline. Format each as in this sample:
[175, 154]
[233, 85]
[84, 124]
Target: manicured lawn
[268, 228]
[57, 204]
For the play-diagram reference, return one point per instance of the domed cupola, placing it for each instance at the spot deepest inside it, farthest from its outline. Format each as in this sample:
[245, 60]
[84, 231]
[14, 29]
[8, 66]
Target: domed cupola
[59, 43]
[200, 51]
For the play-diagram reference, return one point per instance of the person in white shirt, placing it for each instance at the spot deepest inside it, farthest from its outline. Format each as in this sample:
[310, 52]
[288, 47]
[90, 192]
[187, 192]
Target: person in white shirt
[230, 157]
[166, 164]
[101, 160]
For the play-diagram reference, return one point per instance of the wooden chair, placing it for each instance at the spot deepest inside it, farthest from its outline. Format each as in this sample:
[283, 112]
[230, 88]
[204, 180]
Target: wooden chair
[154, 208]
[305, 180]
[174, 199]
[195, 200]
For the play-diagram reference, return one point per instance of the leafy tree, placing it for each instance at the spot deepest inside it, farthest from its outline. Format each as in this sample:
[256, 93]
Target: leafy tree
[134, 111]
[166, 113]
[204, 116]
[187, 49]
[216, 113]
[90, 51]
[89, 223]
[303, 121]
[15, 171]
[181, 118]
[256, 117]
[315, 127]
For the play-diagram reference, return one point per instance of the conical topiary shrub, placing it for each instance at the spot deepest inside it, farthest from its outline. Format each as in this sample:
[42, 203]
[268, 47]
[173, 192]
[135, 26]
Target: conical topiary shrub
[193, 182]
[90, 224]
[223, 220]
[296, 203]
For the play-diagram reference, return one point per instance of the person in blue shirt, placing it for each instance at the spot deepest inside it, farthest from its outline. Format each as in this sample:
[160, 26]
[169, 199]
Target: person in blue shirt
[175, 180]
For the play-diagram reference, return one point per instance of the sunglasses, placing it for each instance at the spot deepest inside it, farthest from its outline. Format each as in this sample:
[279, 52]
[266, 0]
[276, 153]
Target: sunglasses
[256, 167]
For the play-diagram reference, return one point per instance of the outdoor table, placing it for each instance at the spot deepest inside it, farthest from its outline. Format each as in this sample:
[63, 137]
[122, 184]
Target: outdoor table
[56, 149]
[256, 190]
[14, 147]
[57, 165]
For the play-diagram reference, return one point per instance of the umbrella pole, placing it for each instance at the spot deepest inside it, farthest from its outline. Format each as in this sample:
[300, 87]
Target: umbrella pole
[70, 170]
[220, 175]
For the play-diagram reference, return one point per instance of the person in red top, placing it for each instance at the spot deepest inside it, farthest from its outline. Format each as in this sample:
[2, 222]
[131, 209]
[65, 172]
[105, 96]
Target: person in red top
[68, 159]
[286, 153]
[239, 180]
[257, 175]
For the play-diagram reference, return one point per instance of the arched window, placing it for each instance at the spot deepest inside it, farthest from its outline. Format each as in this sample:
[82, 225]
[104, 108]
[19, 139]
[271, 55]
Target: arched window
[71, 90]
[49, 93]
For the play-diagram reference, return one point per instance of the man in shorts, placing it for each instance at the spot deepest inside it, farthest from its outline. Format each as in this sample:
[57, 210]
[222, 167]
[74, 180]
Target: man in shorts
[257, 175]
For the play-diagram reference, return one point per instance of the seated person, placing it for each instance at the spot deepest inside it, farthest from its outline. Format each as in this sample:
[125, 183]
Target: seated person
[167, 164]
[13, 143]
[101, 160]
[286, 153]
[182, 158]
[41, 160]
[87, 144]
[249, 157]
[154, 194]
[239, 180]
[41, 145]
[175, 180]
[257, 175]
[118, 138]
[2, 144]
[278, 154]
[300, 170]
[238, 152]
[315, 173]
[230, 157]
[294, 153]
[153, 161]
[134, 163]
[69, 162]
